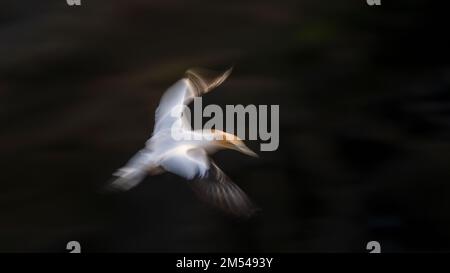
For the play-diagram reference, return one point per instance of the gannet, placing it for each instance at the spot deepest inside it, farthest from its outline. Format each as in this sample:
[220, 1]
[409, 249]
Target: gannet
[188, 158]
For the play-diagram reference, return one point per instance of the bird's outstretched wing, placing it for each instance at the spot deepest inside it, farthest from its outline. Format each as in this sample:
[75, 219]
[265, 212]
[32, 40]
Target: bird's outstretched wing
[217, 189]
[196, 82]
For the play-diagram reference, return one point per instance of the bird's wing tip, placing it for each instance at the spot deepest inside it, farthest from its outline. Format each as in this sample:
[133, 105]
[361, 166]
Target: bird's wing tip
[205, 80]
[249, 214]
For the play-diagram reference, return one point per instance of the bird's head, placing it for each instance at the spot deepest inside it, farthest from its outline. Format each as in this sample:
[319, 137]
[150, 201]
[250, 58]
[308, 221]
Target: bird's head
[230, 141]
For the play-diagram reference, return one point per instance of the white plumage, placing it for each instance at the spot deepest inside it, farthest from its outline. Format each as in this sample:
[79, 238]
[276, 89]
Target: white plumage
[188, 158]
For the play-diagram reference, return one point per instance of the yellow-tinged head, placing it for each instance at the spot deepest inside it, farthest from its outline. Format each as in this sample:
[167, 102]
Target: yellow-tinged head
[230, 141]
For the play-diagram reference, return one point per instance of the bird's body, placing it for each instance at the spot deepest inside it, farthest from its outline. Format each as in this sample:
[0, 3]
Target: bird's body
[186, 154]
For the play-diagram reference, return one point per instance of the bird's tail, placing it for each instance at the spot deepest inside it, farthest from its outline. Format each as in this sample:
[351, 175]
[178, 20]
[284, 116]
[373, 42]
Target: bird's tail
[132, 173]
[125, 179]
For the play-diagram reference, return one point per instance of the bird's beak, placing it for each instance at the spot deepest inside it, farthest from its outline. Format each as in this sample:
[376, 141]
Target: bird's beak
[246, 150]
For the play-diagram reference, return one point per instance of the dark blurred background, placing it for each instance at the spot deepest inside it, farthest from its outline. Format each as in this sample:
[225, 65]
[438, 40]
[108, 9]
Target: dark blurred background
[364, 124]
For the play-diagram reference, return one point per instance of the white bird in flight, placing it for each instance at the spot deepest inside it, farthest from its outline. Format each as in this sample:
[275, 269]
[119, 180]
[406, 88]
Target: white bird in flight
[189, 158]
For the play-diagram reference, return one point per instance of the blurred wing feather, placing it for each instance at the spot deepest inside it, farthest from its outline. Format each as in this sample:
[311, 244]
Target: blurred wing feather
[197, 81]
[217, 189]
